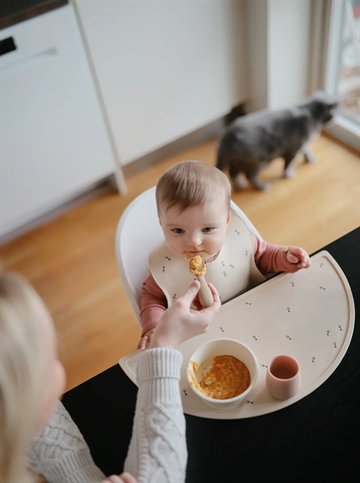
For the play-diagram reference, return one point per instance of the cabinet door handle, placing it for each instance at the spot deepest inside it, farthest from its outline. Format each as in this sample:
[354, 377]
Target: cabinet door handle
[7, 45]
[31, 60]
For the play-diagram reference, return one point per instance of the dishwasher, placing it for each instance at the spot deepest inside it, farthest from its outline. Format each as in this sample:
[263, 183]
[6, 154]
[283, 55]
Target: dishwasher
[54, 139]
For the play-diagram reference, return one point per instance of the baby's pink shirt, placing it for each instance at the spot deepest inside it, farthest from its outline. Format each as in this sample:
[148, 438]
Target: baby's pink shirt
[269, 259]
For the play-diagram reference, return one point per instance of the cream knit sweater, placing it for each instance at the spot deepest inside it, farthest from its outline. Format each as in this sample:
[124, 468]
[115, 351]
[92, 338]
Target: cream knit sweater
[157, 451]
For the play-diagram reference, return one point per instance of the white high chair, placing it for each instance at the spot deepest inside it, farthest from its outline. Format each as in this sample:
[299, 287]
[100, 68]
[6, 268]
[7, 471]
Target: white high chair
[138, 231]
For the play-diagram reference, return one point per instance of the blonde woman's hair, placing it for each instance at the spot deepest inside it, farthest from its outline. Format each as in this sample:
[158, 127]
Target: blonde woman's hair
[21, 375]
[191, 183]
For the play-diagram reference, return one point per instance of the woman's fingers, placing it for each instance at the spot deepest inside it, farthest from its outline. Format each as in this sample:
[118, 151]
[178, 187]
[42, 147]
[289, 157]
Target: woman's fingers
[123, 478]
[127, 478]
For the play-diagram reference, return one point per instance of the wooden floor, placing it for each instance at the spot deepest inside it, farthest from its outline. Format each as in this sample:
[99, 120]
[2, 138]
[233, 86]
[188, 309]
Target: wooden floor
[71, 260]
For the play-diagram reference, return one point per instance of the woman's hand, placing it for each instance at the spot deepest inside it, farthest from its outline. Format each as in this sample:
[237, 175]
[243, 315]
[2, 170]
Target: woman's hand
[298, 256]
[180, 322]
[123, 478]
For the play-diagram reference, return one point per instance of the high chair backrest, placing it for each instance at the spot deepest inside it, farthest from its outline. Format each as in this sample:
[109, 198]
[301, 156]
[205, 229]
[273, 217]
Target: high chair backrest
[137, 233]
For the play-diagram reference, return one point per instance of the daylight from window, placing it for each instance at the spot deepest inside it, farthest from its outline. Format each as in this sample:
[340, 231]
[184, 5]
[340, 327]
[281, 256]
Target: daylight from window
[348, 82]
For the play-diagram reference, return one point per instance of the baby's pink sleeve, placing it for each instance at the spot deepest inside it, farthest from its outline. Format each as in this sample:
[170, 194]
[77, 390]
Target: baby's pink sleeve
[153, 304]
[271, 258]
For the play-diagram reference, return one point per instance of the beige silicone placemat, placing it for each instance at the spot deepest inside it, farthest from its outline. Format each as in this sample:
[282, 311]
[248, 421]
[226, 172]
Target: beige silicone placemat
[309, 315]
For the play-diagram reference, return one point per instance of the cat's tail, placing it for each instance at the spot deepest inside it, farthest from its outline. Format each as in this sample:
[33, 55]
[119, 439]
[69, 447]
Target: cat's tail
[221, 162]
[225, 150]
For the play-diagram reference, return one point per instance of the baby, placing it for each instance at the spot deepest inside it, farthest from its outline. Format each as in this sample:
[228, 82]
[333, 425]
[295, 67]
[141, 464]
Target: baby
[193, 205]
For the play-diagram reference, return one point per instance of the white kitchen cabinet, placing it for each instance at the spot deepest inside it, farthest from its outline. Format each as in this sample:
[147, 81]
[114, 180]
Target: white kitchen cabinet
[164, 69]
[54, 141]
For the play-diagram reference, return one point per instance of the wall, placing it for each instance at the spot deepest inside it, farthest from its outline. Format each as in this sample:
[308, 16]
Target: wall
[288, 50]
[278, 54]
[164, 69]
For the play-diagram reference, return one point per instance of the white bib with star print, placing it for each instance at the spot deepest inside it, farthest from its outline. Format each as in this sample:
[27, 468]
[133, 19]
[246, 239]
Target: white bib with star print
[233, 272]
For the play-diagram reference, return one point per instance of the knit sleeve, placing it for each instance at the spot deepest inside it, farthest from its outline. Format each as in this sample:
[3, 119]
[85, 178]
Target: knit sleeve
[157, 452]
[60, 453]
[270, 258]
[153, 304]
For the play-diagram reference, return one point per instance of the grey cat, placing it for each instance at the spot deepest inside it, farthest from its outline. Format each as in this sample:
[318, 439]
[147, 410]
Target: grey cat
[251, 142]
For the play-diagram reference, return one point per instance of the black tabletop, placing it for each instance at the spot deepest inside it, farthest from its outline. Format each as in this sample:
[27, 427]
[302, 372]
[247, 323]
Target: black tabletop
[313, 440]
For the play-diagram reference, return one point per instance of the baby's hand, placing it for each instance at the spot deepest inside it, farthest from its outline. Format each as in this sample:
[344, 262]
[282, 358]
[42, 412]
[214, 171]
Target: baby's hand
[298, 256]
[145, 340]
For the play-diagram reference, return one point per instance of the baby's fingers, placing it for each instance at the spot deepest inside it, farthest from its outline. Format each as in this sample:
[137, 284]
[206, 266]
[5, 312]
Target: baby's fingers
[143, 342]
[292, 258]
[305, 263]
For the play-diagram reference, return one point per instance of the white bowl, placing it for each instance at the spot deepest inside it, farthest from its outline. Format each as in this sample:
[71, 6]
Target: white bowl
[205, 354]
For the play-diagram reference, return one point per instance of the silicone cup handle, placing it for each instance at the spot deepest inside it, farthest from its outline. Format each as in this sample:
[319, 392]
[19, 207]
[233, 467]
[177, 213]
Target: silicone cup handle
[205, 295]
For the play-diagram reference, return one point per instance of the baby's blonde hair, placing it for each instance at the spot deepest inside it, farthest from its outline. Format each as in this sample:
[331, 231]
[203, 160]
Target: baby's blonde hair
[21, 374]
[191, 183]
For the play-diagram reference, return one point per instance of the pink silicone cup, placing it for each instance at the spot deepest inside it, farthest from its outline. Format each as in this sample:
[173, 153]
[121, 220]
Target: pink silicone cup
[283, 377]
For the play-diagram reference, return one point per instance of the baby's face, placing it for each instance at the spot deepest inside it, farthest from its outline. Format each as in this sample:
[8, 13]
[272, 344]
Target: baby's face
[200, 230]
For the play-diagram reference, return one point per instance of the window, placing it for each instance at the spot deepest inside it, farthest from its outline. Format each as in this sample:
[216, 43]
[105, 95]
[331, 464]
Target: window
[342, 73]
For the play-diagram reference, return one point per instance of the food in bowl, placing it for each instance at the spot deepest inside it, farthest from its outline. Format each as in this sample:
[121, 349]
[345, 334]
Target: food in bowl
[220, 368]
[227, 377]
